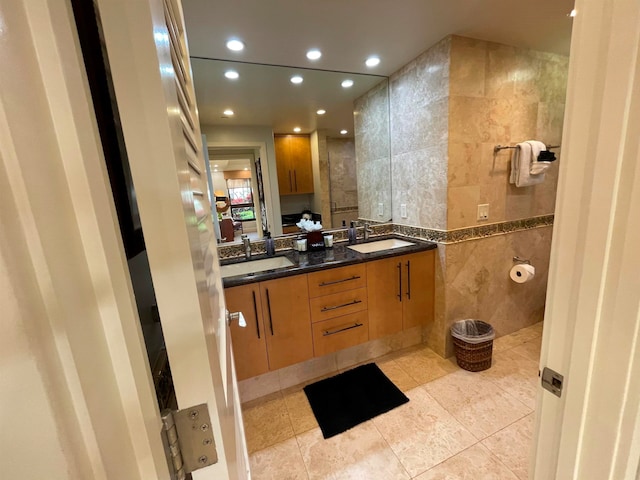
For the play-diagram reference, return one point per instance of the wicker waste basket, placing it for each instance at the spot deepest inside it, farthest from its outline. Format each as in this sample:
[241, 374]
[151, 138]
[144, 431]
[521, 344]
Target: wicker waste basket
[473, 342]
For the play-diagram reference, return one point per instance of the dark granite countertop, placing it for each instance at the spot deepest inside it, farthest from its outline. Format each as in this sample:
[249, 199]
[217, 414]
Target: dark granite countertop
[338, 256]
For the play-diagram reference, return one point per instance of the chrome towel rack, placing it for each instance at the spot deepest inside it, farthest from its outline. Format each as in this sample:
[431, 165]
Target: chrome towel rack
[497, 148]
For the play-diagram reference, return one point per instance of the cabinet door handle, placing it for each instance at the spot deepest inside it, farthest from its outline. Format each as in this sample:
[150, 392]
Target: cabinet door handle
[400, 281]
[269, 310]
[408, 279]
[325, 284]
[290, 183]
[255, 312]
[326, 333]
[295, 180]
[354, 302]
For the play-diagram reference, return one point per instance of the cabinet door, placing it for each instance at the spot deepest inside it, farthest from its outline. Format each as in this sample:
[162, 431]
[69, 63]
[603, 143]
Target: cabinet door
[384, 290]
[285, 307]
[249, 343]
[285, 173]
[418, 288]
[300, 162]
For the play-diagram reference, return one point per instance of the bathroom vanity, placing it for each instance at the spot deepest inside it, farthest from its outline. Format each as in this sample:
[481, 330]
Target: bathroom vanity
[322, 302]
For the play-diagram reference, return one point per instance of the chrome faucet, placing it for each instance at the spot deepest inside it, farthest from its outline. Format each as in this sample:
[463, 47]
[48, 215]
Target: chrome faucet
[367, 231]
[247, 245]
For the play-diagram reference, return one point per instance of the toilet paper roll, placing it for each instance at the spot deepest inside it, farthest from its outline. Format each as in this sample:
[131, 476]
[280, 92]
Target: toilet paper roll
[522, 272]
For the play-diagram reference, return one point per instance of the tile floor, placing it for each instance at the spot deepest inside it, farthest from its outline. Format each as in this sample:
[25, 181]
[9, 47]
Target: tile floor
[457, 424]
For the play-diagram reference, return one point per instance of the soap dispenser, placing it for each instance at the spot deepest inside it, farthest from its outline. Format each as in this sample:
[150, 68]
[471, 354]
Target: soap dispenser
[269, 244]
[352, 234]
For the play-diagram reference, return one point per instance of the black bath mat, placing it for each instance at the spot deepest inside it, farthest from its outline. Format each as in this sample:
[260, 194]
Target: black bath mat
[342, 402]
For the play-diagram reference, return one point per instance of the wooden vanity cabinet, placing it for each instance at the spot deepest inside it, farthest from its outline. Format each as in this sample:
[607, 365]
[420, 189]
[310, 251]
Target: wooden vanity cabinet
[278, 331]
[400, 293]
[249, 343]
[285, 310]
[293, 161]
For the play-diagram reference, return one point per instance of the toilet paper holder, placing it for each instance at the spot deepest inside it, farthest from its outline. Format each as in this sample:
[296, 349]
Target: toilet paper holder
[517, 259]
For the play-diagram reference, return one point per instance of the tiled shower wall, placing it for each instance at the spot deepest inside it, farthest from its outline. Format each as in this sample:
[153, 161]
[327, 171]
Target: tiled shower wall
[343, 179]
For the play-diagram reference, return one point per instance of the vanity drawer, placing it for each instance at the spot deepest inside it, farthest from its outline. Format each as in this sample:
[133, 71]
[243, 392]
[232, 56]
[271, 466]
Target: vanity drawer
[338, 304]
[327, 282]
[339, 333]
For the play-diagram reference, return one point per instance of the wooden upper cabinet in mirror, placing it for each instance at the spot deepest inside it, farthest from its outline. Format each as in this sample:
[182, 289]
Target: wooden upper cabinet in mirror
[293, 161]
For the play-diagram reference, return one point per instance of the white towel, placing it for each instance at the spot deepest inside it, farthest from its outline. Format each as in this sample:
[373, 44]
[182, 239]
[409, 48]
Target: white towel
[525, 168]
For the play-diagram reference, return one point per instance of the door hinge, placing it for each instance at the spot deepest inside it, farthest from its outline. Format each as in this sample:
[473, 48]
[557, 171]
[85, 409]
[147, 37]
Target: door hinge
[552, 381]
[188, 439]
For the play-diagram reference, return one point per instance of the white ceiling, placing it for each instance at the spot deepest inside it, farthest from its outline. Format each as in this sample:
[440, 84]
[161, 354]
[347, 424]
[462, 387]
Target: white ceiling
[279, 32]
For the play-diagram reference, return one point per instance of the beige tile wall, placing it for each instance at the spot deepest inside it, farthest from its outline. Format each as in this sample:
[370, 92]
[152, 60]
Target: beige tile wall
[342, 172]
[419, 138]
[500, 95]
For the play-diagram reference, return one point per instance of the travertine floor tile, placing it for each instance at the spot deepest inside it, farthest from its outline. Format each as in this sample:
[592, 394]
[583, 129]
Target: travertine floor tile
[300, 413]
[530, 349]
[476, 402]
[359, 453]
[281, 461]
[422, 433]
[513, 445]
[266, 422]
[397, 375]
[516, 375]
[423, 365]
[474, 463]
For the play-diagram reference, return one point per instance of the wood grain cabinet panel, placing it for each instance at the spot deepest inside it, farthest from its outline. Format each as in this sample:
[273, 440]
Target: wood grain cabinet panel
[249, 343]
[337, 304]
[293, 162]
[285, 309]
[419, 289]
[334, 280]
[339, 333]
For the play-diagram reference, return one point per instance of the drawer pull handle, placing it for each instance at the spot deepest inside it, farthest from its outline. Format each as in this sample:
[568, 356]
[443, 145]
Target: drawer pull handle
[324, 284]
[326, 333]
[326, 309]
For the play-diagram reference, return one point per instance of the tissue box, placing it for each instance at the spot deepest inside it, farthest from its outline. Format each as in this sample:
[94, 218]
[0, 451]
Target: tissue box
[315, 240]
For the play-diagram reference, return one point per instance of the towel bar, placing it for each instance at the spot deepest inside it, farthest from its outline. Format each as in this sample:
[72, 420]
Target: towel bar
[497, 148]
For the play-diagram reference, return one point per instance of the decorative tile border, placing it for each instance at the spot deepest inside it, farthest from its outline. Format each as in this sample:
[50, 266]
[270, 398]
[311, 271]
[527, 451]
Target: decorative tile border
[344, 209]
[233, 250]
[473, 233]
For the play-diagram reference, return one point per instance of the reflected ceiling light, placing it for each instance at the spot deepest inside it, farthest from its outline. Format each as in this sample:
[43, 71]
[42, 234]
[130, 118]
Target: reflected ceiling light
[246, 168]
[228, 112]
[296, 79]
[573, 13]
[231, 74]
[314, 54]
[343, 132]
[372, 61]
[297, 129]
[215, 169]
[321, 112]
[347, 83]
[235, 45]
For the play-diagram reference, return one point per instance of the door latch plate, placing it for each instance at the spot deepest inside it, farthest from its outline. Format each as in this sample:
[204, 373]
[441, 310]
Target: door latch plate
[552, 381]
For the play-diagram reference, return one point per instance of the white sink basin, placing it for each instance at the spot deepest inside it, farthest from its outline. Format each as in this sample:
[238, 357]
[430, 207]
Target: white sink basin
[254, 266]
[380, 245]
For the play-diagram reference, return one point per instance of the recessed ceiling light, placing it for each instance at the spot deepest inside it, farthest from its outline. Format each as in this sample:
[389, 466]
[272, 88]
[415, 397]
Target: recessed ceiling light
[321, 112]
[296, 79]
[231, 74]
[372, 61]
[235, 45]
[297, 129]
[314, 54]
[215, 169]
[228, 112]
[215, 166]
[343, 132]
[573, 13]
[347, 83]
[246, 168]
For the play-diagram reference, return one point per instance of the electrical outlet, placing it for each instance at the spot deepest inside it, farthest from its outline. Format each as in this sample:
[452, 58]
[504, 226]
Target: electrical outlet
[483, 212]
[403, 210]
[380, 209]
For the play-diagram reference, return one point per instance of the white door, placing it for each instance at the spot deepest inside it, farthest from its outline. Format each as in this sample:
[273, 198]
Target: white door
[592, 320]
[148, 55]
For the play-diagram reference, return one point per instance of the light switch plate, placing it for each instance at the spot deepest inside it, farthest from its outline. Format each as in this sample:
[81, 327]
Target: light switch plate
[483, 212]
[380, 209]
[403, 210]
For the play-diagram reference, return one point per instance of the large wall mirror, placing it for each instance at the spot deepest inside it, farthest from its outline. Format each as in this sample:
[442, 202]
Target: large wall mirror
[253, 117]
